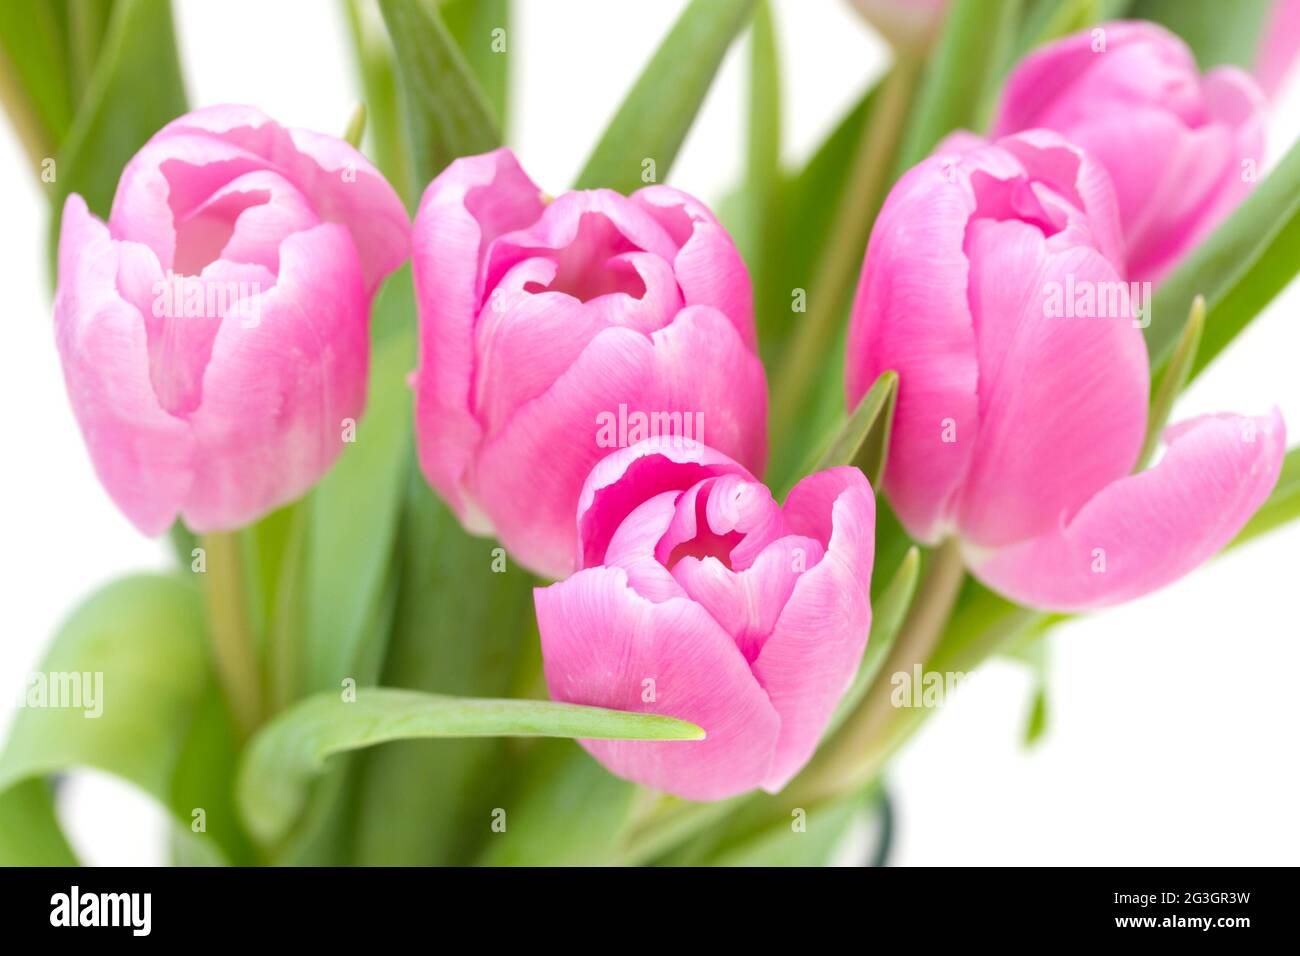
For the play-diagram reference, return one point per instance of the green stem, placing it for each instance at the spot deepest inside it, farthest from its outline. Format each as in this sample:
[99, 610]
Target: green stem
[805, 363]
[855, 754]
[233, 652]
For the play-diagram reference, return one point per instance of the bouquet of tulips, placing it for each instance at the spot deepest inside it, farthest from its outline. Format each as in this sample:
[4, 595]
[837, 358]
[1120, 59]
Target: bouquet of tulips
[517, 525]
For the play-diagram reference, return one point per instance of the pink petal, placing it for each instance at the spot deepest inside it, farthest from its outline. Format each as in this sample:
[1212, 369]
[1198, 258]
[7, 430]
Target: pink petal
[140, 453]
[911, 315]
[1144, 531]
[287, 369]
[1062, 396]
[468, 205]
[708, 266]
[602, 643]
[622, 480]
[196, 154]
[811, 656]
[529, 475]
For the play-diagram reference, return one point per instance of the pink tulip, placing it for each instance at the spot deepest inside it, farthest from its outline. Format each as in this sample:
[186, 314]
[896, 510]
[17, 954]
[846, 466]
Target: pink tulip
[214, 333]
[552, 332]
[699, 597]
[991, 286]
[1182, 149]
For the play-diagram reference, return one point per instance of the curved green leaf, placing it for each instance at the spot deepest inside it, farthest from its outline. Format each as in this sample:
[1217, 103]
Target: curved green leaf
[961, 75]
[139, 657]
[888, 610]
[864, 440]
[654, 119]
[1243, 264]
[293, 749]
[447, 113]
[29, 831]
[1170, 382]
[1217, 32]
[136, 88]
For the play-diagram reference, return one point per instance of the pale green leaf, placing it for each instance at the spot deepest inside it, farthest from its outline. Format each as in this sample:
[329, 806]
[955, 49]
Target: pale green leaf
[654, 119]
[288, 753]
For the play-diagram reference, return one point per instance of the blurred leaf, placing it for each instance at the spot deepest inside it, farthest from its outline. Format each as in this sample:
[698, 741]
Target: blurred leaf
[1172, 380]
[29, 831]
[810, 202]
[863, 441]
[566, 811]
[961, 75]
[803, 389]
[353, 514]
[446, 112]
[356, 127]
[374, 55]
[1217, 32]
[1243, 264]
[1283, 504]
[460, 628]
[1036, 723]
[288, 752]
[806, 836]
[135, 90]
[472, 23]
[888, 612]
[145, 636]
[88, 22]
[34, 75]
[658, 111]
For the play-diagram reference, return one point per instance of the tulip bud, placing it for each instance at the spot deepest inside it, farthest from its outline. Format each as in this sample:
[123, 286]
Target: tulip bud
[701, 598]
[1181, 149]
[991, 285]
[213, 333]
[554, 332]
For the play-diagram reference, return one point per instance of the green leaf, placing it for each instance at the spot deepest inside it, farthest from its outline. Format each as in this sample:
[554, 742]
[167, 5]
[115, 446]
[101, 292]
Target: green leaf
[418, 798]
[135, 90]
[139, 645]
[447, 114]
[810, 202]
[888, 610]
[802, 386]
[863, 441]
[34, 86]
[288, 752]
[1172, 380]
[566, 811]
[1217, 32]
[961, 76]
[803, 837]
[374, 57]
[29, 831]
[1283, 504]
[1243, 264]
[1036, 722]
[353, 514]
[658, 111]
[472, 23]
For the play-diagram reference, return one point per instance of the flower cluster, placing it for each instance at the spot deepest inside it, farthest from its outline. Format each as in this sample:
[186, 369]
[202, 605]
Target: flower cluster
[589, 388]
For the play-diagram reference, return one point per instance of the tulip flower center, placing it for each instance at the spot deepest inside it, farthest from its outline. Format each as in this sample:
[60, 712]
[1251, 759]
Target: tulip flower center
[201, 236]
[588, 267]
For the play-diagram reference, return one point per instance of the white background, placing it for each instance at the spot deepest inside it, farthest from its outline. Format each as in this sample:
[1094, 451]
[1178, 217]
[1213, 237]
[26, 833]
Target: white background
[1172, 735]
